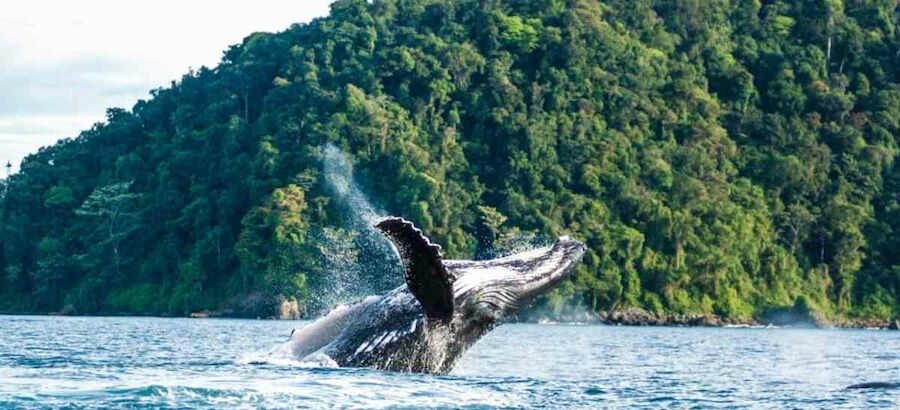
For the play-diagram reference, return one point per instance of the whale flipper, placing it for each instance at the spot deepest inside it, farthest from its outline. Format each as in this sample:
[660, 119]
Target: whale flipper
[426, 276]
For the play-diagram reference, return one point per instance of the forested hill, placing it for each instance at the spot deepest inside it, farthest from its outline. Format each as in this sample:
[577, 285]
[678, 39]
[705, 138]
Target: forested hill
[726, 157]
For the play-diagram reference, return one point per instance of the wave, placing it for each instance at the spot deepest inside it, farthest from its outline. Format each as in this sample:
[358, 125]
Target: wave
[315, 360]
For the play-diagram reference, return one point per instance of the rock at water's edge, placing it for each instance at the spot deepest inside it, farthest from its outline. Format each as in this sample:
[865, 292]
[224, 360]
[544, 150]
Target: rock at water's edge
[289, 310]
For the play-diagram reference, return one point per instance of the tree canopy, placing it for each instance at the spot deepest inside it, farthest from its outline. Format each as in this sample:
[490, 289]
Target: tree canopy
[724, 157]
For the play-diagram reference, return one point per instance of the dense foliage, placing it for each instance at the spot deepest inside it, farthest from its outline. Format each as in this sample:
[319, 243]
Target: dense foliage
[717, 156]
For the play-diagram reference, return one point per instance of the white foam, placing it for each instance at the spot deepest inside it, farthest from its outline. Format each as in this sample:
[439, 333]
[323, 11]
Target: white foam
[315, 360]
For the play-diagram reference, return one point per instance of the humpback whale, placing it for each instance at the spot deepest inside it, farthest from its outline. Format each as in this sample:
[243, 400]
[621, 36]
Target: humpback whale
[444, 307]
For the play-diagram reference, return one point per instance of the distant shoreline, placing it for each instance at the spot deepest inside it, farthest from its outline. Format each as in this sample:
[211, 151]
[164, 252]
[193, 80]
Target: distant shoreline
[630, 316]
[634, 316]
[206, 315]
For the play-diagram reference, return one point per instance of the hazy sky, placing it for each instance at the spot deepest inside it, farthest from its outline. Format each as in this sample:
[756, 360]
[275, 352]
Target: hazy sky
[62, 63]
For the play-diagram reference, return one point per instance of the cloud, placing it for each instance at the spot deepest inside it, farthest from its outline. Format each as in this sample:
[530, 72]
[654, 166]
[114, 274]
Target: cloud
[65, 63]
[70, 85]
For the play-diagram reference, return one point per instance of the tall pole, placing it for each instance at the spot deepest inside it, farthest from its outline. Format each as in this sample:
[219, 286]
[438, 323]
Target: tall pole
[8, 169]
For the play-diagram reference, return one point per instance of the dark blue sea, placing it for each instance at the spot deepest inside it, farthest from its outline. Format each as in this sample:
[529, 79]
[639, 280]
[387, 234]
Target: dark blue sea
[71, 362]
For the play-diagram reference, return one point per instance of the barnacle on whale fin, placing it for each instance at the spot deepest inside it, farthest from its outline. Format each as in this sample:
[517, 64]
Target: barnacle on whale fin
[426, 276]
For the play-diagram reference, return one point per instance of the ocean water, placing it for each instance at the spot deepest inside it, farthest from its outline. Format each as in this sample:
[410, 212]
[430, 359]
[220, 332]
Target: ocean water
[71, 362]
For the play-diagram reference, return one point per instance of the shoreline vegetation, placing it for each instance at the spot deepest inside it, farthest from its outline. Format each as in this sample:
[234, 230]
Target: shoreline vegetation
[628, 316]
[727, 159]
[635, 316]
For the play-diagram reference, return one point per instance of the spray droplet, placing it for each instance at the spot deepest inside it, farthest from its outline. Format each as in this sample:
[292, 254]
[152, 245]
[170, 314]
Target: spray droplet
[358, 260]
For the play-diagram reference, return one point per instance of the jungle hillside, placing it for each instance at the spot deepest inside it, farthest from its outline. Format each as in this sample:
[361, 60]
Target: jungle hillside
[724, 157]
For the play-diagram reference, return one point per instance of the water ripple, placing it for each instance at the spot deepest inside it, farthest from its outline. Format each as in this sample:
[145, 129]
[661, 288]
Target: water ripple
[176, 363]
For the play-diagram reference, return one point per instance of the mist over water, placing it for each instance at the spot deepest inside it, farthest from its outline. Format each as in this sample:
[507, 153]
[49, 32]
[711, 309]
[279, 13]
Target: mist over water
[358, 260]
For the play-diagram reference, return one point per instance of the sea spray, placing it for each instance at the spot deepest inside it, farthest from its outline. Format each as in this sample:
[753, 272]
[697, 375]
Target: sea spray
[339, 175]
[357, 259]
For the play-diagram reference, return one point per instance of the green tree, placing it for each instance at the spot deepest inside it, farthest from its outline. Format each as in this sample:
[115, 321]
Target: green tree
[113, 212]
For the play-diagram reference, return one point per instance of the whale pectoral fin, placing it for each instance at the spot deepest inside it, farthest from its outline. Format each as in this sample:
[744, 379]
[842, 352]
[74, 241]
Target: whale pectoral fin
[426, 276]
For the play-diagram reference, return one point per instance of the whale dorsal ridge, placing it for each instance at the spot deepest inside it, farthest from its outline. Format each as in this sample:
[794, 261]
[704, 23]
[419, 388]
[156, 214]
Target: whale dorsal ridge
[426, 276]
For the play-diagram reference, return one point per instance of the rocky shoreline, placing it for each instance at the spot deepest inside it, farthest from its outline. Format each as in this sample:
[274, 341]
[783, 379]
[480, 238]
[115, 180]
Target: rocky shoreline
[635, 316]
[627, 316]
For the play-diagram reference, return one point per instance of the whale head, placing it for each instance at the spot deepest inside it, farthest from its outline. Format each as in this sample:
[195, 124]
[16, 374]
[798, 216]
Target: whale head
[493, 289]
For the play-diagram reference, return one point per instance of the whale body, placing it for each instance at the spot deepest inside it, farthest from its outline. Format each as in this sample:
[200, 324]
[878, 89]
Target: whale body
[444, 307]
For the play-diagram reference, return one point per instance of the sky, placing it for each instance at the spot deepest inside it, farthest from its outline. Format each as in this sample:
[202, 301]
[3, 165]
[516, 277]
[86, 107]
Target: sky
[63, 63]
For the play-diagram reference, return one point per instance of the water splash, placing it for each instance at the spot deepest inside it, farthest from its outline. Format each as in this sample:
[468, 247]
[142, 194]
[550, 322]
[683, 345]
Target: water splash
[281, 359]
[358, 260]
[339, 176]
